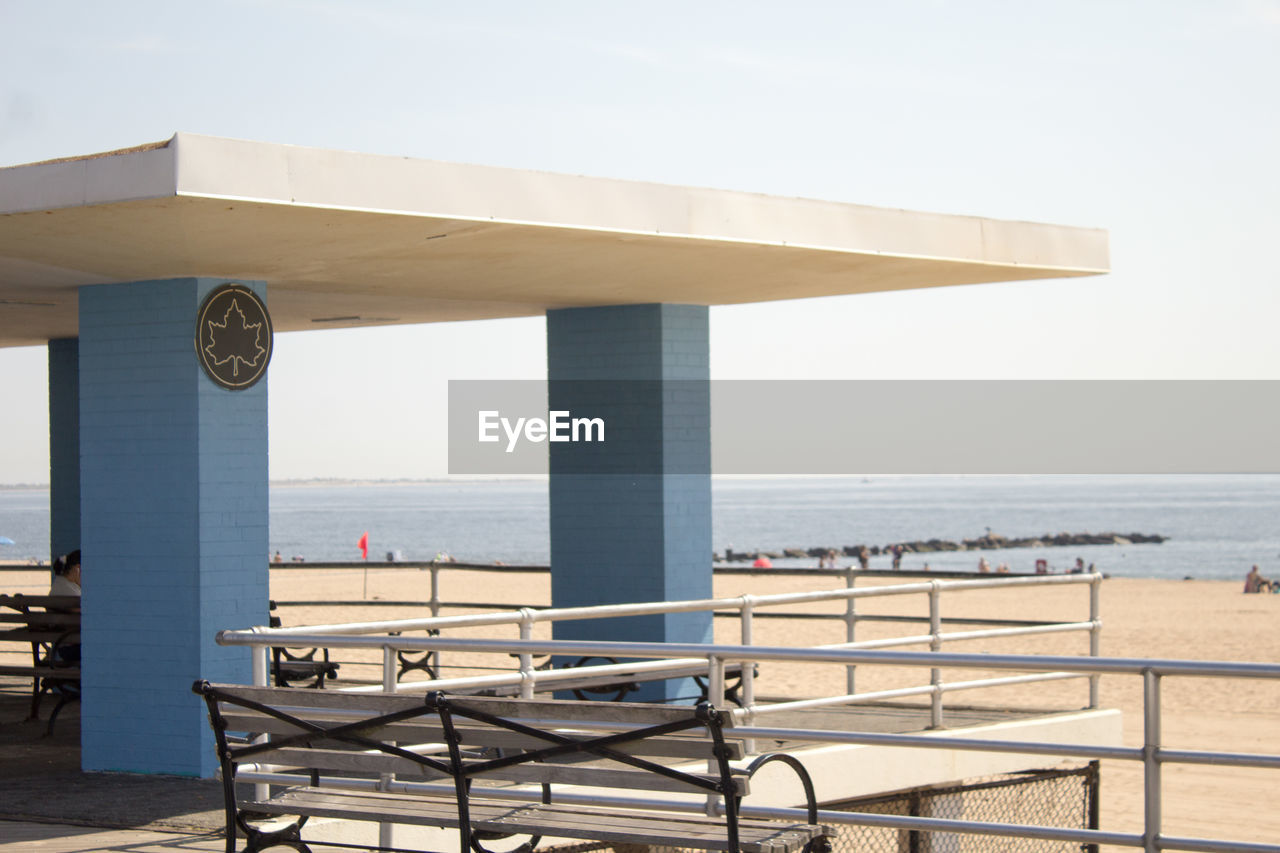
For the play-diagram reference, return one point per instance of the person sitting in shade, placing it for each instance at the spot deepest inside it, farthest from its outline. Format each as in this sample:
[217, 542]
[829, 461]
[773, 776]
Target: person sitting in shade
[66, 575]
[1255, 582]
[66, 581]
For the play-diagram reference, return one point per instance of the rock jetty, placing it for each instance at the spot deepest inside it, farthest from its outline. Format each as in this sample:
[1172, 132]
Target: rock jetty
[988, 542]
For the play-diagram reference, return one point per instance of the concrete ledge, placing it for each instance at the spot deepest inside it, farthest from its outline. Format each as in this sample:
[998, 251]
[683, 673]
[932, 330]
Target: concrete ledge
[848, 771]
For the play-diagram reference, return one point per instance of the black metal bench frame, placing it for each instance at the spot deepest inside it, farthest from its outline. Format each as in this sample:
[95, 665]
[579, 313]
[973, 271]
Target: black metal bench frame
[463, 767]
[288, 667]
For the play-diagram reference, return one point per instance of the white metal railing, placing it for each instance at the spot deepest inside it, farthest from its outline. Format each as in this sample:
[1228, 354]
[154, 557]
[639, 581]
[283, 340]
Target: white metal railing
[1151, 754]
[745, 607]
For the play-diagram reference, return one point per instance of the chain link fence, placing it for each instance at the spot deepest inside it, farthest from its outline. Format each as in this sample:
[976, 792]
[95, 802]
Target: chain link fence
[1062, 797]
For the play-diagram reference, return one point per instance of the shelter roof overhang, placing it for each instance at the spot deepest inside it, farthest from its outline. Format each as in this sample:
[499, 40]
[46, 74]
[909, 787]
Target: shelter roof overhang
[349, 239]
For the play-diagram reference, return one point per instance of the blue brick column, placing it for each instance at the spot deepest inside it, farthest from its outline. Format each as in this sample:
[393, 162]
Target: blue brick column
[174, 526]
[631, 519]
[64, 446]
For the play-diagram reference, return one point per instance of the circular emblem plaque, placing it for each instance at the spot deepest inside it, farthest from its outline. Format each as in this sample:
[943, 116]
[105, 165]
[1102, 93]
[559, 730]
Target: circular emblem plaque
[233, 337]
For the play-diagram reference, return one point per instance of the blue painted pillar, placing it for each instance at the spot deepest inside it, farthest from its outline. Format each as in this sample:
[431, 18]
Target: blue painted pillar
[173, 523]
[631, 518]
[64, 446]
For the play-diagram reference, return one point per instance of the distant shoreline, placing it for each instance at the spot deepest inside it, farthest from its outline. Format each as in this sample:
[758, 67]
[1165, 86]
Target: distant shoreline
[292, 482]
[332, 481]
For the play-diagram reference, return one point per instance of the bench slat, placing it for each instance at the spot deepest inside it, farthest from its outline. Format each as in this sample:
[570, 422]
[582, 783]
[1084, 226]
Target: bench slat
[603, 777]
[531, 773]
[68, 619]
[303, 698]
[22, 600]
[668, 746]
[66, 673]
[612, 825]
[351, 761]
[542, 710]
[36, 635]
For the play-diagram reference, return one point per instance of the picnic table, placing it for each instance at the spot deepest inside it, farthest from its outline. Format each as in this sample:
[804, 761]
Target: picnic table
[49, 627]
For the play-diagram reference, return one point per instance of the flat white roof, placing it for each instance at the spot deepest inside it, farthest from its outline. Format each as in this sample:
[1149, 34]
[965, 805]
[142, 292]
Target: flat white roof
[347, 239]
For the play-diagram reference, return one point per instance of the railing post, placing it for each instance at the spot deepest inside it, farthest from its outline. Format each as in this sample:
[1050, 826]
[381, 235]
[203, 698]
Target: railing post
[1095, 635]
[434, 604]
[850, 628]
[259, 657]
[435, 590]
[715, 695]
[748, 678]
[385, 779]
[1151, 793]
[389, 668]
[748, 671]
[715, 680]
[935, 645]
[526, 659]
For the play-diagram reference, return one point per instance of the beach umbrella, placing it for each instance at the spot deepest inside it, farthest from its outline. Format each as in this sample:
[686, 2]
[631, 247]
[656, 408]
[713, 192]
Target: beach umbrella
[5, 540]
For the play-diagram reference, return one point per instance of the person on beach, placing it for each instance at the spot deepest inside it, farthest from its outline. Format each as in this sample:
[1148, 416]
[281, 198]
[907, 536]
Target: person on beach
[897, 557]
[864, 557]
[1255, 582]
[984, 568]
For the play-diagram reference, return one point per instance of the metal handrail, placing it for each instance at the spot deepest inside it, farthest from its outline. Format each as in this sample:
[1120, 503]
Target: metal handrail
[739, 653]
[667, 657]
[746, 606]
[1151, 754]
[607, 611]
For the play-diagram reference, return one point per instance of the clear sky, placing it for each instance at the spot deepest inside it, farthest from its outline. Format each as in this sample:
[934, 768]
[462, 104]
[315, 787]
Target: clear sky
[1159, 121]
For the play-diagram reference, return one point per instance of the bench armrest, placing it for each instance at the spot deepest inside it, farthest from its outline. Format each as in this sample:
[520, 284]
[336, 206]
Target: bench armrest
[811, 800]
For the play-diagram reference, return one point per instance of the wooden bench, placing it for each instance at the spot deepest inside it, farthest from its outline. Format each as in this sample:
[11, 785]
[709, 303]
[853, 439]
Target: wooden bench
[476, 750]
[49, 627]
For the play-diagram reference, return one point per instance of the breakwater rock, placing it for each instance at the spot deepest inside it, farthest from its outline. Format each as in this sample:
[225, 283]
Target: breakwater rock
[988, 542]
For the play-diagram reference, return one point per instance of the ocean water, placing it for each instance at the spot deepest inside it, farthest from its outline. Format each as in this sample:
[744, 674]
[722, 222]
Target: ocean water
[1218, 525]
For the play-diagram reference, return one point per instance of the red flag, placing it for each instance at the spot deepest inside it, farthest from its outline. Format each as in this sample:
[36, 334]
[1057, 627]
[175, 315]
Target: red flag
[363, 545]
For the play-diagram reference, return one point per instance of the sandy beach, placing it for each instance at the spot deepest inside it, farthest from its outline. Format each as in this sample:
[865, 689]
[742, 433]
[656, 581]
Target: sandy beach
[1202, 620]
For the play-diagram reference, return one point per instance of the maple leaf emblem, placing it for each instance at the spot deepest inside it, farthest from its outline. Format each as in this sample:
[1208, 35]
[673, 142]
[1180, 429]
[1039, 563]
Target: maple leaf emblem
[234, 340]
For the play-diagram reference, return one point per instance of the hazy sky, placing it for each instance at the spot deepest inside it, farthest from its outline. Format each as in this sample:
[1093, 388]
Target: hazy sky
[1159, 121]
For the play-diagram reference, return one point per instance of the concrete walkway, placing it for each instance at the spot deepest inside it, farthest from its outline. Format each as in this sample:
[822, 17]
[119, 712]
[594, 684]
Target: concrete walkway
[48, 804]
[62, 838]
